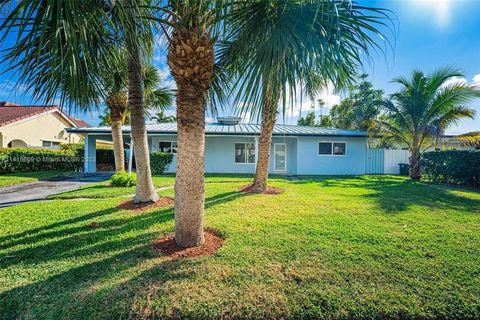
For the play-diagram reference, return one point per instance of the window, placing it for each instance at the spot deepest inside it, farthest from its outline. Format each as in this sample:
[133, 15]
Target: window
[50, 144]
[325, 148]
[332, 148]
[244, 153]
[339, 148]
[167, 146]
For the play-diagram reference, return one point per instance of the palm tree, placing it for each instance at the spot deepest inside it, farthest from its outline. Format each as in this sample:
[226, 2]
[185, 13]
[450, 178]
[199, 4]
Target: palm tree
[138, 39]
[114, 82]
[193, 28]
[162, 117]
[61, 50]
[285, 48]
[425, 107]
[192, 25]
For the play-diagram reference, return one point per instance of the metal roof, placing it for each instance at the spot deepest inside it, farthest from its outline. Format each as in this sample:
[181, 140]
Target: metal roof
[238, 129]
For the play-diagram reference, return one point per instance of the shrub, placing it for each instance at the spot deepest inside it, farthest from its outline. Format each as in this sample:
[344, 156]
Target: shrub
[25, 160]
[123, 179]
[160, 161]
[455, 167]
[103, 155]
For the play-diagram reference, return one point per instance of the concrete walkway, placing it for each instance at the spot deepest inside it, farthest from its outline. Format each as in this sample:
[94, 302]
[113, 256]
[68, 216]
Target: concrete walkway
[35, 191]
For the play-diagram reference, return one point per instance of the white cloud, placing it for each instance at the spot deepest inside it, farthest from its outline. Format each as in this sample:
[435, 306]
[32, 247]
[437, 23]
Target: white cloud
[166, 77]
[454, 80]
[476, 79]
[462, 80]
[10, 89]
[160, 46]
[304, 104]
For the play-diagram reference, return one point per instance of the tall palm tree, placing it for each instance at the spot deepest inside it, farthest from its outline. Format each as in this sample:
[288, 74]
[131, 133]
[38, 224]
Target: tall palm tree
[425, 106]
[62, 47]
[114, 81]
[138, 40]
[192, 28]
[285, 48]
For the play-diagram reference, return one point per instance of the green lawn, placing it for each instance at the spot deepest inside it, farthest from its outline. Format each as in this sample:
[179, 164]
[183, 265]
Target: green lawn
[17, 178]
[354, 247]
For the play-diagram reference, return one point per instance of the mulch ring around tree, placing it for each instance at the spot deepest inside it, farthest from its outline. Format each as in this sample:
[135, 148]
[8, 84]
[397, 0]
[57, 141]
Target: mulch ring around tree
[270, 190]
[168, 246]
[138, 207]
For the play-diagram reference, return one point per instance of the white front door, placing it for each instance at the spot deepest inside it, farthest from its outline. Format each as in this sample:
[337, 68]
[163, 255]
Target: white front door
[280, 157]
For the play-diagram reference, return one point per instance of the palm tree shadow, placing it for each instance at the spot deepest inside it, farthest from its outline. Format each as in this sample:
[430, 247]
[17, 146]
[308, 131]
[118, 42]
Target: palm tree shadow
[81, 239]
[393, 194]
[31, 232]
[117, 240]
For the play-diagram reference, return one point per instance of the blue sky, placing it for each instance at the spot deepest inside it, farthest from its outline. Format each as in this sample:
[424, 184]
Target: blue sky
[430, 34]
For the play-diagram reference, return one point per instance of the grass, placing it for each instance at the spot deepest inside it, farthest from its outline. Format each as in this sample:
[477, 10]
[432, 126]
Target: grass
[102, 190]
[343, 248]
[17, 178]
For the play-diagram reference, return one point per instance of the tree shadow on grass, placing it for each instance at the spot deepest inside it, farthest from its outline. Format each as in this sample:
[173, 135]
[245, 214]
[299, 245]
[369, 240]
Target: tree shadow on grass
[32, 232]
[112, 252]
[82, 240]
[398, 194]
[94, 192]
[103, 289]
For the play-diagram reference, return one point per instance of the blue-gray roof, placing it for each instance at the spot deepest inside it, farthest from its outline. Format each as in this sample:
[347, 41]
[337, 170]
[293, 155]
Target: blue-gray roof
[238, 129]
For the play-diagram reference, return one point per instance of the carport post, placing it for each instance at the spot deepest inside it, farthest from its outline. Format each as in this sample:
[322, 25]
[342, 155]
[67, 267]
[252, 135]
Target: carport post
[130, 156]
[90, 161]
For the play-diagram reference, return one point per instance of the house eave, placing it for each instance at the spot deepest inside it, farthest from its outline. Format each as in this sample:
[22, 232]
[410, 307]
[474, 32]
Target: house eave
[163, 133]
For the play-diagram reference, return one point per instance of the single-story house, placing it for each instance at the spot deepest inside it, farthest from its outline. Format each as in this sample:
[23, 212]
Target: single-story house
[231, 147]
[24, 126]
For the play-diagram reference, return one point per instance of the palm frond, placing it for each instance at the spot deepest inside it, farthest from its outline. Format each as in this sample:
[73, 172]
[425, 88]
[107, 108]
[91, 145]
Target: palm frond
[60, 46]
[290, 44]
[425, 107]
[471, 138]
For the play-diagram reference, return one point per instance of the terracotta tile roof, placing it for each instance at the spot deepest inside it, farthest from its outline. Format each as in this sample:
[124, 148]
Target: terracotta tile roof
[80, 123]
[10, 112]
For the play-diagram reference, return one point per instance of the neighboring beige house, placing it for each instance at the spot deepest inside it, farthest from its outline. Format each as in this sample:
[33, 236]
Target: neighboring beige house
[36, 126]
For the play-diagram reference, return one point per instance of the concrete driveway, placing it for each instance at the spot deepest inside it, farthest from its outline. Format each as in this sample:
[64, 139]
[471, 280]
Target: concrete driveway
[35, 191]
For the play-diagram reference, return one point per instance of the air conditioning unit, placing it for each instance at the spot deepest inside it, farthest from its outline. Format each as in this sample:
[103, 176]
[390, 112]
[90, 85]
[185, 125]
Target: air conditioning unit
[229, 121]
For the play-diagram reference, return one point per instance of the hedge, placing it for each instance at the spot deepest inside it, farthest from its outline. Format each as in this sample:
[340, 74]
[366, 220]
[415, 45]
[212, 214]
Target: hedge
[103, 154]
[455, 167]
[70, 157]
[24, 160]
[160, 161]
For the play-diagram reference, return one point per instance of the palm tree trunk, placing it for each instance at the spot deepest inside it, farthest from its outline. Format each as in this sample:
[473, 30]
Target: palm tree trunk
[189, 183]
[117, 139]
[269, 115]
[145, 191]
[415, 172]
[190, 58]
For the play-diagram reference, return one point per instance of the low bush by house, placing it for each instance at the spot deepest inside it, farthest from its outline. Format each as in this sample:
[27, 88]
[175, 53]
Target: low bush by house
[123, 179]
[104, 155]
[25, 160]
[160, 161]
[455, 167]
